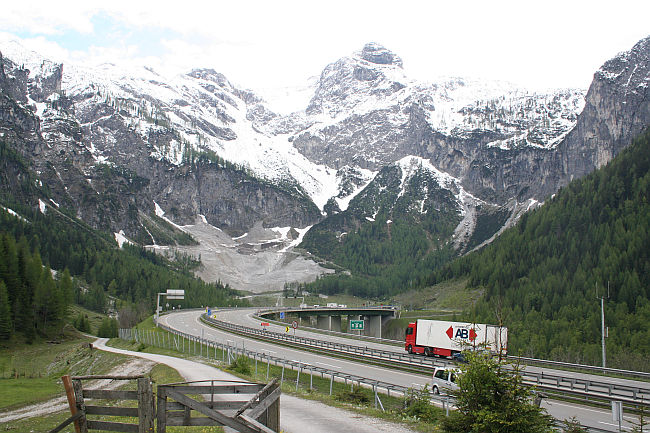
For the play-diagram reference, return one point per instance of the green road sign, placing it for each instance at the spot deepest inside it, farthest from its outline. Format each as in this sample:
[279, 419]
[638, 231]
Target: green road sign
[356, 325]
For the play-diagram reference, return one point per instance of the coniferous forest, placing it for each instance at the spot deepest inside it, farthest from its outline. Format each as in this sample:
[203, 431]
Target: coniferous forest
[89, 270]
[544, 277]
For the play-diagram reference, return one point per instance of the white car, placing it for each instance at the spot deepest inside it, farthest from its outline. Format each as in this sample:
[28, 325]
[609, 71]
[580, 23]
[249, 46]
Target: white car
[444, 380]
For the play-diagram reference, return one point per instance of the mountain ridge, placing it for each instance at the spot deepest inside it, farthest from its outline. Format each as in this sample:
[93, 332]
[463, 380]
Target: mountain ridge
[113, 144]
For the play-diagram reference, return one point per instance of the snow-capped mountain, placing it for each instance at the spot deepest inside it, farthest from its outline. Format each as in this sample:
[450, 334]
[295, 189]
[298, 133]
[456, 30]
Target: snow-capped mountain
[366, 112]
[110, 141]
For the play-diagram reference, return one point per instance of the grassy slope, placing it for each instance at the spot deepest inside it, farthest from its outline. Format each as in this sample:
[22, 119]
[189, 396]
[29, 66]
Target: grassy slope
[31, 373]
[440, 302]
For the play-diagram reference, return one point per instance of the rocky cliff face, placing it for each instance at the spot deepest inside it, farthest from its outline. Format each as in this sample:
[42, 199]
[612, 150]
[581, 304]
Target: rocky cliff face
[617, 108]
[87, 148]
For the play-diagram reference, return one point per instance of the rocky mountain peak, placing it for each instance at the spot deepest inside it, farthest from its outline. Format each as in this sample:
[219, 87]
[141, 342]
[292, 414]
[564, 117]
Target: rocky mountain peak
[617, 108]
[632, 66]
[376, 53]
[373, 74]
[210, 75]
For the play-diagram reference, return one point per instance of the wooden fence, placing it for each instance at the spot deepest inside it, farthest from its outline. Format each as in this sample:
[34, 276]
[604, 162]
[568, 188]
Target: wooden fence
[220, 405]
[77, 395]
[211, 403]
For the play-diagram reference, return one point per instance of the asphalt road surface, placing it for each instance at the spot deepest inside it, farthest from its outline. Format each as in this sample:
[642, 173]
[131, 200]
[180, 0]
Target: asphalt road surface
[188, 322]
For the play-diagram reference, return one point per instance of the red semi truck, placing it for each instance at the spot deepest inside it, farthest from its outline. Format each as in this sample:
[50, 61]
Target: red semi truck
[442, 338]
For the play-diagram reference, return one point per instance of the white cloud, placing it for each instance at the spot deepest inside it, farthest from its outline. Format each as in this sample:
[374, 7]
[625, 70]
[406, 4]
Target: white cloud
[262, 43]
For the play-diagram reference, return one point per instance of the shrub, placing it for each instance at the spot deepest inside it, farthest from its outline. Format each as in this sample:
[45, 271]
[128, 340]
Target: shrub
[241, 365]
[418, 404]
[356, 396]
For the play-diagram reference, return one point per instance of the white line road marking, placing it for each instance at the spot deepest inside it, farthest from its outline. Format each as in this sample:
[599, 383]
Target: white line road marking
[614, 425]
[606, 412]
[329, 365]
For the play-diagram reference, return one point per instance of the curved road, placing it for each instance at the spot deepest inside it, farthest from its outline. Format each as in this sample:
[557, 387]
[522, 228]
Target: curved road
[245, 317]
[189, 323]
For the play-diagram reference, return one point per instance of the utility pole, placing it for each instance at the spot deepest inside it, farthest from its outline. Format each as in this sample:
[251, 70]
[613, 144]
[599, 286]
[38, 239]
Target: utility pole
[602, 321]
[602, 324]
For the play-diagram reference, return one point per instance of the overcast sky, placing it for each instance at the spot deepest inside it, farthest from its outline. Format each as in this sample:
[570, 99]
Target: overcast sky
[259, 44]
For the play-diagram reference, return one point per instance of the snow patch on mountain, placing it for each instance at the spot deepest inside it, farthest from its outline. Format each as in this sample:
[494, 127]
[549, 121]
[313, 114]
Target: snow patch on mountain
[121, 238]
[15, 214]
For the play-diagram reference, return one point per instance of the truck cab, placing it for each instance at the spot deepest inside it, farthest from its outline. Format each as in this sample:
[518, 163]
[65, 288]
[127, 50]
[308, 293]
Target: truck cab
[411, 346]
[409, 342]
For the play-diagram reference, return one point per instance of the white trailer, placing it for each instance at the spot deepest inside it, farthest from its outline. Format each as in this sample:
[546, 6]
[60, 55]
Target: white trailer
[436, 337]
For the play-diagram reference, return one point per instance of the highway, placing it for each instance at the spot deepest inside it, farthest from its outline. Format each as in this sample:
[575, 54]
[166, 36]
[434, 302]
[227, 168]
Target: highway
[189, 323]
[245, 317]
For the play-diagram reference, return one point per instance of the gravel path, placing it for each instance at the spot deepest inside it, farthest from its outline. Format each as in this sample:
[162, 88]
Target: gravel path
[134, 367]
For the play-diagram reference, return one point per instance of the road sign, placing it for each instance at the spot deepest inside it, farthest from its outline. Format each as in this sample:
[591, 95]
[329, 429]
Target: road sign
[287, 329]
[356, 325]
[281, 314]
[294, 324]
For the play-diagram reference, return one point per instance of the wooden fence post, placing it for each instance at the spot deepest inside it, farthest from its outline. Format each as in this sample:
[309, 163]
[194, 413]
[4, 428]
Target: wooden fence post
[145, 405]
[72, 403]
[273, 413]
[161, 414]
[81, 406]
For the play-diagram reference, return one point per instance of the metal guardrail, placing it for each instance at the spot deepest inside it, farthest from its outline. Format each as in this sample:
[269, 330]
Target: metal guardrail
[588, 368]
[231, 351]
[528, 361]
[403, 359]
[575, 387]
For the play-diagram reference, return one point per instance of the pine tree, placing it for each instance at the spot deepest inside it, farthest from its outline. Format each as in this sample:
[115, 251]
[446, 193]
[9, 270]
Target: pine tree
[493, 399]
[6, 327]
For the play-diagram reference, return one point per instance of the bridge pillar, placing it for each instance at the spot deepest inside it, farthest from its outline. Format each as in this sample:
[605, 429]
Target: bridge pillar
[385, 319]
[323, 322]
[374, 326]
[335, 323]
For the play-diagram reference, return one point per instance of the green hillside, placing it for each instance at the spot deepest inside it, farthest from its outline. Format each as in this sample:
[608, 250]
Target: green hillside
[543, 278]
[34, 300]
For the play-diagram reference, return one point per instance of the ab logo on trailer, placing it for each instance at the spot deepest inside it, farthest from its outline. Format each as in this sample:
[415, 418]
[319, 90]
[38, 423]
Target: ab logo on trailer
[462, 333]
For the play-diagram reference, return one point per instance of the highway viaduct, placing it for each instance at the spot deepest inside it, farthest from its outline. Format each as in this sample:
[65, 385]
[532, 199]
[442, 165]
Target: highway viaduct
[331, 318]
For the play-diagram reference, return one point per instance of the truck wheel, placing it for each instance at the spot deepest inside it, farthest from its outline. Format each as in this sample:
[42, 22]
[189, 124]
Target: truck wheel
[410, 349]
[435, 390]
[427, 352]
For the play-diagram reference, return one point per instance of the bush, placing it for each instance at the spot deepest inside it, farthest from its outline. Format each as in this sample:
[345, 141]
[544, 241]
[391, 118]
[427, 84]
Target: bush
[241, 365]
[492, 399]
[418, 404]
[573, 426]
[82, 323]
[356, 396]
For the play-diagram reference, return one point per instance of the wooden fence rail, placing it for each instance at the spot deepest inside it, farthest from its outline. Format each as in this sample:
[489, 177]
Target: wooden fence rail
[257, 414]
